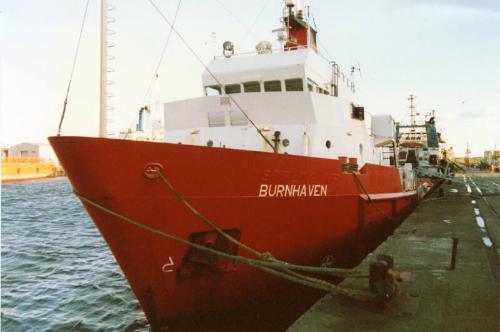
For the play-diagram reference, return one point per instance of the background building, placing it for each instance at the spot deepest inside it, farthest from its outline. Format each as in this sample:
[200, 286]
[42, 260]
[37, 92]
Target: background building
[32, 150]
[492, 157]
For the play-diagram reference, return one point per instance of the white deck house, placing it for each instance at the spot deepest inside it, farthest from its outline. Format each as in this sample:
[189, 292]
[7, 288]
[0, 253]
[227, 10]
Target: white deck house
[297, 93]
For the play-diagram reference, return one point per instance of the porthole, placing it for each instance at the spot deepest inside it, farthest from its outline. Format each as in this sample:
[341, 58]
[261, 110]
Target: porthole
[286, 142]
[328, 144]
[210, 143]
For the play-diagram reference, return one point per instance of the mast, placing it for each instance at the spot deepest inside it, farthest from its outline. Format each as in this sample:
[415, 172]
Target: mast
[467, 156]
[299, 32]
[104, 58]
[413, 115]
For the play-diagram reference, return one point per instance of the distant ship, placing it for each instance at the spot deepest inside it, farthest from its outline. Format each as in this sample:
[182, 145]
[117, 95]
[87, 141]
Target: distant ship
[278, 154]
[421, 148]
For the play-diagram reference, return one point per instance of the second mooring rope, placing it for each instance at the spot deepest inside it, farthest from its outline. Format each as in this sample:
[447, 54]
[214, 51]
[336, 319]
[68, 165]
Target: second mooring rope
[266, 266]
[265, 256]
[370, 200]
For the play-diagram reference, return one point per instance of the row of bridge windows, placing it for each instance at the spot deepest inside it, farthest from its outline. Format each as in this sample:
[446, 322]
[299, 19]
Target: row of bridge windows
[293, 84]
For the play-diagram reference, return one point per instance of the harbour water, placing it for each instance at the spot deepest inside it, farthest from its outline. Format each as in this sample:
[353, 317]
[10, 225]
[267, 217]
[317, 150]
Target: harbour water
[57, 272]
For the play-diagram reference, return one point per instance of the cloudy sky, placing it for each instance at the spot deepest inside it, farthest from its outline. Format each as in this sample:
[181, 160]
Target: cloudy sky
[446, 52]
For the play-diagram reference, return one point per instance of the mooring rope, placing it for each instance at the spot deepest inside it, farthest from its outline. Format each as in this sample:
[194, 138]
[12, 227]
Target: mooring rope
[266, 256]
[455, 180]
[200, 216]
[184, 41]
[266, 266]
[370, 200]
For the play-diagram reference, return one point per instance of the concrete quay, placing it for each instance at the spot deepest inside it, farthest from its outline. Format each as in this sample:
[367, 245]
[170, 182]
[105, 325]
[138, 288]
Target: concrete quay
[436, 297]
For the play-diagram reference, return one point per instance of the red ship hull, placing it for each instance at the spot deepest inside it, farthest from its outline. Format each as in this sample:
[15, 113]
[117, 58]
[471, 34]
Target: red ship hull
[227, 186]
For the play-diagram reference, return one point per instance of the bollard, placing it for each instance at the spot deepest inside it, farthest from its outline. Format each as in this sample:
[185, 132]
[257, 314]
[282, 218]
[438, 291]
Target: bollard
[380, 281]
[454, 254]
[389, 260]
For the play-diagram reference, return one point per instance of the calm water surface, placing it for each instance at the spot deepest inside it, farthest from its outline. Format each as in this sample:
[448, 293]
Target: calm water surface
[57, 272]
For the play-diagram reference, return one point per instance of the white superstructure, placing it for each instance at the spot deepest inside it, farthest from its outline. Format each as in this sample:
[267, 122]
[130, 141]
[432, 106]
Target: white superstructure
[299, 100]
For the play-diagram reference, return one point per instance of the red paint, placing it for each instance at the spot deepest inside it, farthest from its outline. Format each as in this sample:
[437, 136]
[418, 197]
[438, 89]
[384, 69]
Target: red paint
[297, 30]
[223, 184]
[299, 37]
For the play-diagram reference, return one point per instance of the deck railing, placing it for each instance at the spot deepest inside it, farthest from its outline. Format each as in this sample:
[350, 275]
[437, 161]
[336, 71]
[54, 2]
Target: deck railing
[27, 160]
[336, 73]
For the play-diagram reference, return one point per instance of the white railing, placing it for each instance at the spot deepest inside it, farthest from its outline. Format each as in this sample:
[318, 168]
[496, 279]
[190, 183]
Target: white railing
[274, 50]
[337, 73]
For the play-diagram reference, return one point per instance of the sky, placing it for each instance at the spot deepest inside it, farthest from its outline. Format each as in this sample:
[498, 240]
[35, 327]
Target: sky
[445, 52]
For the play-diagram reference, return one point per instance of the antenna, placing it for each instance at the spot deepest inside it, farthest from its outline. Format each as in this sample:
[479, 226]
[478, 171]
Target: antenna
[495, 155]
[467, 156]
[413, 107]
[289, 4]
[353, 70]
[213, 36]
[356, 69]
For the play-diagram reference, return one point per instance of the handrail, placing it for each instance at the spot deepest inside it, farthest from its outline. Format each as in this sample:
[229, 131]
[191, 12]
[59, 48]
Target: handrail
[274, 50]
[334, 71]
[27, 160]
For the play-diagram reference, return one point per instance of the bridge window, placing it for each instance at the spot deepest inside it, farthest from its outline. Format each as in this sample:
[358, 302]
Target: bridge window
[251, 86]
[311, 85]
[322, 91]
[232, 88]
[272, 86]
[213, 90]
[294, 84]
